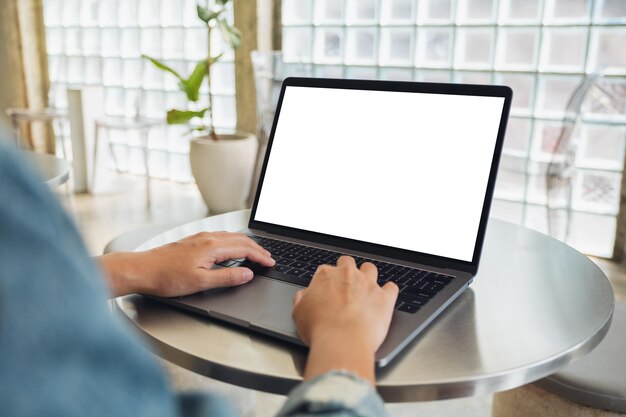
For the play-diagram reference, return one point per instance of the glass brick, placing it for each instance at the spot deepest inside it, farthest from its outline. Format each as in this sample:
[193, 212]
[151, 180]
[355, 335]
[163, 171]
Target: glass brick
[196, 43]
[606, 101]
[361, 46]
[114, 101]
[397, 11]
[474, 48]
[219, 46]
[190, 16]
[93, 70]
[75, 69]
[110, 42]
[517, 135]
[170, 82]
[517, 49]
[597, 191]
[149, 13]
[173, 43]
[536, 192]
[133, 72]
[136, 162]
[329, 11]
[154, 104]
[54, 41]
[108, 13]
[112, 71]
[297, 44]
[328, 71]
[151, 42]
[563, 49]
[328, 46]
[178, 139]
[58, 96]
[509, 211]
[511, 180]
[545, 141]
[610, 11]
[73, 41]
[396, 74]
[176, 100]
[361, 11]
[225, 112]
[53, 13]
[130, 43]
[364, 73]
[161, 135]
[297, 11]
[54, 67]
[520, 11]
[434, 48]
[129, 13]
[554, 94]
[433, 76]
[435, 11]
[223, 78]
[522, 86]
[396, 47]
[91, 41]
[602, 147]
[592, 233]
[607, 50]
[171, 13]
[69, 16]
[567, 10]
[472, 77]
[475, 11]
[537, 218]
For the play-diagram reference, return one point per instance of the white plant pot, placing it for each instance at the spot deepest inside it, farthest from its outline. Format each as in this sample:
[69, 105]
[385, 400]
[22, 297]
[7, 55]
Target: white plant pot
[223, 169]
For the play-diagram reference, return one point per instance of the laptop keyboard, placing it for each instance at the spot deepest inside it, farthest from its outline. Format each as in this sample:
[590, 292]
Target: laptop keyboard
[296, 264]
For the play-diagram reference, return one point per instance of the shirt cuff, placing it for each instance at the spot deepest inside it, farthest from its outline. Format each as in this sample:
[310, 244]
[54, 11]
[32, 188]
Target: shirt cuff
[336, 393]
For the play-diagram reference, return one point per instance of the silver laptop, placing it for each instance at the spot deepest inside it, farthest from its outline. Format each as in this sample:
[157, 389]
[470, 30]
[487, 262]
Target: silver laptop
[400, 174]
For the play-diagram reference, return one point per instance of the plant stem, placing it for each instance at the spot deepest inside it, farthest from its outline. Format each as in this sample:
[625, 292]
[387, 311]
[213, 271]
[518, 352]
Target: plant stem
[208, 70]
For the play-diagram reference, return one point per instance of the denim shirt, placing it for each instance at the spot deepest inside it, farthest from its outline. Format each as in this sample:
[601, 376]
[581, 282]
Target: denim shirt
[63, 355]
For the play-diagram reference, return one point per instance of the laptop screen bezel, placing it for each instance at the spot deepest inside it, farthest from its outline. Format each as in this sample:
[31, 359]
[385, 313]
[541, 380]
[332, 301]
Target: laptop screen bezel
[382, 250]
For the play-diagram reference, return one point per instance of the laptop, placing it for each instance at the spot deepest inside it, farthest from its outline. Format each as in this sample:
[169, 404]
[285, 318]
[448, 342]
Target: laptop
[400, 174]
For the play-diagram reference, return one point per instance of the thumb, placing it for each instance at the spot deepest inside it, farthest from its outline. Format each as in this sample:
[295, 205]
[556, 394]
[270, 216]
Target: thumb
[297, 297]
[391, 289]
[229, 277]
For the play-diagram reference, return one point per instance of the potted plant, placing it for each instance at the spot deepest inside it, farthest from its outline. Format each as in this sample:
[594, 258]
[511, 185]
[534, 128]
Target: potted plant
[222, 164]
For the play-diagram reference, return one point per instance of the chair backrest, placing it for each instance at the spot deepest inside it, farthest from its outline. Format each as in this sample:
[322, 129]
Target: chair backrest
[592, 94]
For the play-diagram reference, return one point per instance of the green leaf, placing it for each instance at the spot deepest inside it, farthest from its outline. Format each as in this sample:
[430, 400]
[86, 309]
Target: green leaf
[206, 15]
[231, 34]
[216, 58]
[222, 2]
[176, 117]
[191, 86]
[163, 67]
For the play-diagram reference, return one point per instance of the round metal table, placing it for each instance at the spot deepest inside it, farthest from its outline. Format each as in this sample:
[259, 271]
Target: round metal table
[54, 171]
[535, 306]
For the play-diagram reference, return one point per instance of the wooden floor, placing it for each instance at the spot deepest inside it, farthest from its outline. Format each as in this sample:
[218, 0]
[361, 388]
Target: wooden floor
[103, 216]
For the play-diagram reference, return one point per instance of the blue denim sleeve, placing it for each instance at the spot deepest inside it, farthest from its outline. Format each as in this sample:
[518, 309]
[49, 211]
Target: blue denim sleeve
[62, 353]
[334, 394]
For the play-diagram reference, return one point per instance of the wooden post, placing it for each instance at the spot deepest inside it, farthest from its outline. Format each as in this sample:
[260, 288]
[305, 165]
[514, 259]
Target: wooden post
[24, 78]
[246, 22]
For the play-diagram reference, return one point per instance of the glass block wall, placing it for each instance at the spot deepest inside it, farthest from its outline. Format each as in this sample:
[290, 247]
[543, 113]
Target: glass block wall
[100, 42]
[541, 48]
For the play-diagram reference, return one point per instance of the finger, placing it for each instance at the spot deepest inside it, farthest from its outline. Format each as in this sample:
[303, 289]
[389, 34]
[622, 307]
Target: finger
[239, 238]
[370, 270]
[391, 289]
[235, 250]
[227, 277]
[345, 260]
[297, 297]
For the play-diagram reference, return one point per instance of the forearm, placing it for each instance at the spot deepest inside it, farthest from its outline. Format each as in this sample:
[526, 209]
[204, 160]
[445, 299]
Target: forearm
[122, 271]
[333, 352]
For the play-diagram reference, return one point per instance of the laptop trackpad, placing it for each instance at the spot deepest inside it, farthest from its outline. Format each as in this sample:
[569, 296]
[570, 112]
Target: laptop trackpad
[263, 303]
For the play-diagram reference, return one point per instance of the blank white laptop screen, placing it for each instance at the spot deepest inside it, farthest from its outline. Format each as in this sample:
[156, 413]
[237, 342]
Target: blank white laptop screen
[406, 170]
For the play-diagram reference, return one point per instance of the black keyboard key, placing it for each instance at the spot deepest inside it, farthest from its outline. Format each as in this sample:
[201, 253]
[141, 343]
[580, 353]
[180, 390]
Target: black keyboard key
[308, 275]
[412, 299]
[282, 268]
[418, 292]
[298, 264]
[304, 258]
[310, 268]
[408, 308]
